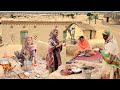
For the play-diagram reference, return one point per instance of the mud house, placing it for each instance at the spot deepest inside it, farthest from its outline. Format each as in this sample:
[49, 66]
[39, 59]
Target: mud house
[14, 32]
[81, 29]
[112, 18]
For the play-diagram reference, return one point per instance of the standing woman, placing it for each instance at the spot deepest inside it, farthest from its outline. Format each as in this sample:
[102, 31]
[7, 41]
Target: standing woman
[110, 53]
[53, 57]
[28, 51]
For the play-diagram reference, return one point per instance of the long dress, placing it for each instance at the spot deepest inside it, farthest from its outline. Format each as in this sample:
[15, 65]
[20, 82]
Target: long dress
[110, 49]
[53, 57]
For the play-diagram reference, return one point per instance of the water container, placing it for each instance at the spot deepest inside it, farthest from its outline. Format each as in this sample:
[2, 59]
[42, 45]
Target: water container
[28, 65]
[4, 61]
[73, 41]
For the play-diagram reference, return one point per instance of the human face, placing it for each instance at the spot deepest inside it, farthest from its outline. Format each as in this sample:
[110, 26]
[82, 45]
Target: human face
[56, 33]
[81, 39]
[29, 41]
[105, 37]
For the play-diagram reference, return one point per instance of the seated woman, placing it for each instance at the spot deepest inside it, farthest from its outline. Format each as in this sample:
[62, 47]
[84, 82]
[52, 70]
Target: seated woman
[83, 47]
[28, 51]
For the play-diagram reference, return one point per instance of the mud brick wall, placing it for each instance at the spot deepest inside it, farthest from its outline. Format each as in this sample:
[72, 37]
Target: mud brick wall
[42, 51]
[70, 49]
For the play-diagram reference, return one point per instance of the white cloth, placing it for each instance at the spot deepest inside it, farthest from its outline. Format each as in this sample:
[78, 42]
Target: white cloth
[110, 47]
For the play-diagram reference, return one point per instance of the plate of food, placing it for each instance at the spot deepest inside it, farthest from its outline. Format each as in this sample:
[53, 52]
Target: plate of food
[76, 70]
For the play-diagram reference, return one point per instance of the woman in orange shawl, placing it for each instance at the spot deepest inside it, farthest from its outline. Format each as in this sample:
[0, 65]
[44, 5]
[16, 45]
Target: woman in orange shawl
[83, 46]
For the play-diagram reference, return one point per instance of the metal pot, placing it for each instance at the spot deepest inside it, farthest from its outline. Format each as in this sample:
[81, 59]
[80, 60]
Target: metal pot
[88, 71]
[4, 61]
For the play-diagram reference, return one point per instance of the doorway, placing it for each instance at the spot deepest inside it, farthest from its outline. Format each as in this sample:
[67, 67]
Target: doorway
[107, 19]
[90, 34]
[23, 34]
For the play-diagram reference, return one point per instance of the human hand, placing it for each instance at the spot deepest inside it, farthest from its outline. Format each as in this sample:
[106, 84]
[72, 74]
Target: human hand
[34, 63]
[60, 44]
[64, 44]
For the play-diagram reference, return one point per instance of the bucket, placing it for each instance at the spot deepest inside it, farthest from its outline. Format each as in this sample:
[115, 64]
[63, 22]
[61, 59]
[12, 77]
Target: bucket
[73, 41]
[4, 61]
[87, 73]
[28, 65]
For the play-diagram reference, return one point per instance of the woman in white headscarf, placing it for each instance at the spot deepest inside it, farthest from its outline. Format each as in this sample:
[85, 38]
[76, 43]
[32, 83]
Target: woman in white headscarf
[110, 53]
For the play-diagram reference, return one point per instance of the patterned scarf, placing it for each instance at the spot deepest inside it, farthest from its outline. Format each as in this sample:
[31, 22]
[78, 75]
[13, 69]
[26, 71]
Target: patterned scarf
[54, 38]
[112, 57]
[29, 47]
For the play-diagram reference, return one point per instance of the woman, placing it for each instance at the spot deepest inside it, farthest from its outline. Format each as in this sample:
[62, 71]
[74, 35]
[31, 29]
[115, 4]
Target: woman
[28, 48]
[53, 57]
[110, 53]
[83, 46]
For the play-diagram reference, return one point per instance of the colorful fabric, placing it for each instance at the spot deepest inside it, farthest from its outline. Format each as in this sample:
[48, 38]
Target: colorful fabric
[112, 60]
[53, 56]
[83, 46]
[110, 48]
[106, 32]
[27, 50]
[95, 57]
[30, 47]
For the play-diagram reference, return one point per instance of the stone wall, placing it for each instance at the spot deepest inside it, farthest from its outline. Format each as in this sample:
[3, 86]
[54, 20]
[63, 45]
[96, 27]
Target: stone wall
[42, 33]
[10, 49]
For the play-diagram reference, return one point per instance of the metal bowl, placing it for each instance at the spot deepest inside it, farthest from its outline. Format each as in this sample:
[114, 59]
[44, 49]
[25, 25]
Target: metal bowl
[4, 61]
[76, 70]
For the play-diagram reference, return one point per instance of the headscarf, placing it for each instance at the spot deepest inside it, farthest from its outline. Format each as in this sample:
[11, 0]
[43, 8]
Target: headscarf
[83, 45]
[30, 47]
[53, 37]
[112, 42]
[106, 32]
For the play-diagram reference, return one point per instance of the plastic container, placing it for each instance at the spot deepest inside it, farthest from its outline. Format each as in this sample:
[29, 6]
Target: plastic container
[28, 65]
[4, 61]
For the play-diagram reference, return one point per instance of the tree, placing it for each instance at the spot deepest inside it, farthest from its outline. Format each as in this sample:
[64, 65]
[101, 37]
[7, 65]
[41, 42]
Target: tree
[89, 16]
[12, 16]
[95, 16]
[72, 15]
